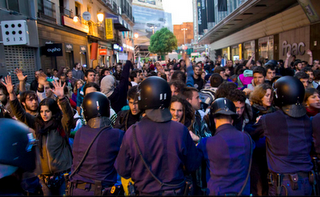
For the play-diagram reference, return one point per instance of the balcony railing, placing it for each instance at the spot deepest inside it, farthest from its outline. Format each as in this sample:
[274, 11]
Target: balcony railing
[66, 12]
[46, 10]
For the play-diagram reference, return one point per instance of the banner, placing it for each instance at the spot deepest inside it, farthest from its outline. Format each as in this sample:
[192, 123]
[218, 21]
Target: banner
[222, 5]
[204, 15]
[109, 29]
[200, 26]
[210, 11]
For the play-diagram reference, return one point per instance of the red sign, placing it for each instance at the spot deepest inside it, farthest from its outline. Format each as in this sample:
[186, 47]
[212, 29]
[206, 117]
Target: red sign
[102, 51]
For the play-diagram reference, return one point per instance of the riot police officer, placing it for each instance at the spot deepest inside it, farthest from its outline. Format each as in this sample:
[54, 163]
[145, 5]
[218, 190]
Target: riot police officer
[156, 152]
[228, 153]
[288, 133]
[96, 146]
[17, 155]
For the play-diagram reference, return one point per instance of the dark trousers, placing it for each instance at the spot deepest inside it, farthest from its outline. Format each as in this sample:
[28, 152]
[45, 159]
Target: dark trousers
[259, 172]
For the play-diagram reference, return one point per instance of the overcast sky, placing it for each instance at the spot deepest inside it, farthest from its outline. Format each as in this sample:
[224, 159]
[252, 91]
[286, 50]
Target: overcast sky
[181, 10]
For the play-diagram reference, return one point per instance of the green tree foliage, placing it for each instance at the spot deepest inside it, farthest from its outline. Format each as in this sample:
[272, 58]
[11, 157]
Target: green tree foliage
[162, 42]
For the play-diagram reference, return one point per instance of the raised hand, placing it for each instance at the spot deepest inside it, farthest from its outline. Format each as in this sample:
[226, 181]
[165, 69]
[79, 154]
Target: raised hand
[288, 54]
[309, 52]
[8, 84]
[58, 89]
[20, 75]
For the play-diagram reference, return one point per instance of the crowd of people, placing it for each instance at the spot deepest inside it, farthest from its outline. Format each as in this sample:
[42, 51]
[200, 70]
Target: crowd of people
[179, 128]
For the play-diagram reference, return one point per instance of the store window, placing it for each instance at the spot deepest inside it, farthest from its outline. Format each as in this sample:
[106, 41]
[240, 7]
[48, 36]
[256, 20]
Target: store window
[248, 49]
[235, 52]
[266, 47]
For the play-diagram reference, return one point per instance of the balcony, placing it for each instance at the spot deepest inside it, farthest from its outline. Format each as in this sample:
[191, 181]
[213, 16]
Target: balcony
[66, 12]
[46, 10]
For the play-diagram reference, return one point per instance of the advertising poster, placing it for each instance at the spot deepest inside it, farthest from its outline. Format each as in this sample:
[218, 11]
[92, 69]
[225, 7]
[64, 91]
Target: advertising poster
[148, 21]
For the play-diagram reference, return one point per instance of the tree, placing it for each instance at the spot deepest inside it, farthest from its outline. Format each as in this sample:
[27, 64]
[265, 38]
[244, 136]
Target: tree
[162, 42]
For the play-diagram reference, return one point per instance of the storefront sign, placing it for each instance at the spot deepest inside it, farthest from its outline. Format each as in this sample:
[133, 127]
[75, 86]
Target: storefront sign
[109, 29]
[69, 48]
[53, 49]
[295, 49]
[83, 49]
[102, 51]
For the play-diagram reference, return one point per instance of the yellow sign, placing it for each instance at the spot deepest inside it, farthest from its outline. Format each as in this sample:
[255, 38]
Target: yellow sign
[109, 29]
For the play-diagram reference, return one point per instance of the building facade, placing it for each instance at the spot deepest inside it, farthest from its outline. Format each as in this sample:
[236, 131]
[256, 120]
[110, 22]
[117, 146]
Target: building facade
[183, 33]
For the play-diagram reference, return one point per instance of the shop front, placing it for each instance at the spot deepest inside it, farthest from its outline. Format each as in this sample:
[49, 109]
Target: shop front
[248, 49]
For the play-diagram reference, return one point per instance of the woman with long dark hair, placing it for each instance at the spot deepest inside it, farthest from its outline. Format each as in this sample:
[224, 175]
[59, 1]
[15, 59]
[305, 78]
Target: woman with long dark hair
[52, 127]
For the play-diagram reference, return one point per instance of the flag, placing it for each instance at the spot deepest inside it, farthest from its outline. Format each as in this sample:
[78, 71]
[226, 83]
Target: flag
[222, 5]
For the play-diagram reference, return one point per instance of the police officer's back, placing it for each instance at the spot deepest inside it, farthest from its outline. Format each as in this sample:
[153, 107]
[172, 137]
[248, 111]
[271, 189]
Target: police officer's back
[165, 145]
[96, 172]
[288, 133]
[227, 153]
[17, 155]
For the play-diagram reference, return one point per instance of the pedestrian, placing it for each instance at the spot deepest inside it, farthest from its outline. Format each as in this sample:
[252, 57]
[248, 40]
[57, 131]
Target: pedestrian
[52, 126]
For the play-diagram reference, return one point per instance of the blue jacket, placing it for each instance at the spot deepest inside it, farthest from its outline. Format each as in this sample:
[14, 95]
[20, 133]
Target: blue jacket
[227, 155]
[167, 147]
[288, 142]
[98, 165]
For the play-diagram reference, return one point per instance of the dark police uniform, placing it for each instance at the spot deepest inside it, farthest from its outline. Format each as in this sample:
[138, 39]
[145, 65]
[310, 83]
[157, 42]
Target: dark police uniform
[166, 146]
[98, 165]
[95, 174]
[227, 154]
[288, 135]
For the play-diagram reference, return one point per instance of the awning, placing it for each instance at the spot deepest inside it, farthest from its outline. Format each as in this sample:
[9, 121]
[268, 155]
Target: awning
[247, 14]
[117, 22]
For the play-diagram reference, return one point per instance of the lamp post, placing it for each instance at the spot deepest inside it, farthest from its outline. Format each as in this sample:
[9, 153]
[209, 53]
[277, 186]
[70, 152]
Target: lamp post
[184, 34]
[153, 27]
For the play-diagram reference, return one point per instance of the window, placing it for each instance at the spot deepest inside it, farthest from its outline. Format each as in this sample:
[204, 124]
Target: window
[88, 8]
[77, 9]
[13, 5]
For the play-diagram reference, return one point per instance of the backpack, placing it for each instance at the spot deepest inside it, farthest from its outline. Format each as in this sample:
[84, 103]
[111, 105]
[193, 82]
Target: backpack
[207, 97]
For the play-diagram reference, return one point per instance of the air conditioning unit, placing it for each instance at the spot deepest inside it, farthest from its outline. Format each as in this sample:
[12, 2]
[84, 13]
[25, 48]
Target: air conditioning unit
[15, 32]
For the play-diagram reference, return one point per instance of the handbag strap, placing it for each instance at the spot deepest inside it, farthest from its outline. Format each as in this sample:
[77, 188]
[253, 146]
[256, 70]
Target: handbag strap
[86, 153]
[250, 163]
[145, 163]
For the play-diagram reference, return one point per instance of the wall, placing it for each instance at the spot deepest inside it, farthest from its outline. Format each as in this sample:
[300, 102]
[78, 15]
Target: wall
[287, 20]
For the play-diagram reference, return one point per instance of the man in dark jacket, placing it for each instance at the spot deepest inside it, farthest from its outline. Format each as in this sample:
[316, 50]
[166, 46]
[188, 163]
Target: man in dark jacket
[95, 175]
[117, 95]
[129, 117]
[145, 145]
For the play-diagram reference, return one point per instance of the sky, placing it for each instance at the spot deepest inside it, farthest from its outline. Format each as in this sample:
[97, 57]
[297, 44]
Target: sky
[181, 10]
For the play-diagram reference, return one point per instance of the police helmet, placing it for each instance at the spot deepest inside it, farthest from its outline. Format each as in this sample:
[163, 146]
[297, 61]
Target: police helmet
[16, 147]
[272, 63]
[289, 93]
[95, 104]
[223, 106]
[154, 93]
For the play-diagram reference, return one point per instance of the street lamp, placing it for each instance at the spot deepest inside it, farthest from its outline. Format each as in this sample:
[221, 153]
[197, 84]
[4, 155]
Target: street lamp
[136, 35]
[153, 27]
[184, 34]
[100, 16]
